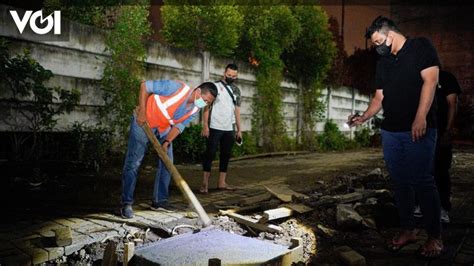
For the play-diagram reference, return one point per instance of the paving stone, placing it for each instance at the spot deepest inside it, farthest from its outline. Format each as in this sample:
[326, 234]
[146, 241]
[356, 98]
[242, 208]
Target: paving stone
[114, 226]
[63, 236]
[79, 240]
[152, 215]
[15, 257]
[99, 237]
[87, 227]
[64, 222]
[54, 253]
[75, 221]
[38, 255]
[48, 229]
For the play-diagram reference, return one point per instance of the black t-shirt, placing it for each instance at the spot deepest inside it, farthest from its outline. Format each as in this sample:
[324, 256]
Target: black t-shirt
[447, 85]
[399, 76]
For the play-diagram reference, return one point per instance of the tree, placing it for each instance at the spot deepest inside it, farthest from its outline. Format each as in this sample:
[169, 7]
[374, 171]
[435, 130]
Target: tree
[268, 32]
[32, 108]
[208, 28]
[216, 29]
[308, 60]
[125, 69]
[98, 13]
[361, 70]
[337, 74]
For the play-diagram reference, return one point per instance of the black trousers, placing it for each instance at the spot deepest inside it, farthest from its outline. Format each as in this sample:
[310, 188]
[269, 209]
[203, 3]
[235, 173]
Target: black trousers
[224, 139]
[443, 158]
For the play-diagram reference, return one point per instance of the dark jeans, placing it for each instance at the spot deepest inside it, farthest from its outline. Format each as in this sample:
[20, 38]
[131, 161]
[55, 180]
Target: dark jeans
[410, 165]
[137, 146]
[226, 140]
[443, 158]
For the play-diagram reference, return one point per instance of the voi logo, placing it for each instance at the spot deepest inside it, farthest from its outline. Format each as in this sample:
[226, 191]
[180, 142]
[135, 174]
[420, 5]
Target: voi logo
[53, 21]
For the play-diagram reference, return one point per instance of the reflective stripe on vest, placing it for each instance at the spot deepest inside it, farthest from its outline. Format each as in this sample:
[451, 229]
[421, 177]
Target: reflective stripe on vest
[163, 106]
[161, 109]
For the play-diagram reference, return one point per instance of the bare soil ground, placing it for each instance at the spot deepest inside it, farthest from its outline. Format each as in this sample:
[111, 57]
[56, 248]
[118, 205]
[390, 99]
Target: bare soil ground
[77, 192]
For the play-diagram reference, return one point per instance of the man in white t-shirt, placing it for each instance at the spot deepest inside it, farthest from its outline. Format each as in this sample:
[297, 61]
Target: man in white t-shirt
[221, 127]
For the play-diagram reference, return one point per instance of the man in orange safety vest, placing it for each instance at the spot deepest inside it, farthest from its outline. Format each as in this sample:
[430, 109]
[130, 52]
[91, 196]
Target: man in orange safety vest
[167, 106]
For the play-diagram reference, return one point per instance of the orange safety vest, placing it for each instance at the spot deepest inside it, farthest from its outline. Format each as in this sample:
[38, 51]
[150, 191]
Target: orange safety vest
[160, 109]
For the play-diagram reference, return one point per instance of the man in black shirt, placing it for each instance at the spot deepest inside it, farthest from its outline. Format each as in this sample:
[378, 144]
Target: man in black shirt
[446, 96]
[406, 79]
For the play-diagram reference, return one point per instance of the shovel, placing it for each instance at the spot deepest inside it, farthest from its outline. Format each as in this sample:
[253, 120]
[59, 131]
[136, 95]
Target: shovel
[178, 179]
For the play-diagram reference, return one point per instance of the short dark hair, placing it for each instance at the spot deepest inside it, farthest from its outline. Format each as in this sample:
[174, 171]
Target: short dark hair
[381, 24]
[231, 66]
[210, 87]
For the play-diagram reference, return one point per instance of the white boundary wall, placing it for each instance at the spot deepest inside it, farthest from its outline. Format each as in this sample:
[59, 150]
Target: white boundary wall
[79, 63]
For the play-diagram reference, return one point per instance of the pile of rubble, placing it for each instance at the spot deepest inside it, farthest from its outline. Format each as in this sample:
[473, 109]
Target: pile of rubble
[337, 211]
[321, 222]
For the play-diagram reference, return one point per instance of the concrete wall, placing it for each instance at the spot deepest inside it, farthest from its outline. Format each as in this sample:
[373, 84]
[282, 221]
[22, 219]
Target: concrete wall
[79, 63]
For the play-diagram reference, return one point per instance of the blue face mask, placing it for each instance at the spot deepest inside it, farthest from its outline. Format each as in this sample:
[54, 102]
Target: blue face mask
[200, 103]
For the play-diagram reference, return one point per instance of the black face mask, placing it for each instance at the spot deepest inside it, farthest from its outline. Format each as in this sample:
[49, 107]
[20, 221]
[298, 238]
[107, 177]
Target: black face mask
[383, 49]
[229, 80]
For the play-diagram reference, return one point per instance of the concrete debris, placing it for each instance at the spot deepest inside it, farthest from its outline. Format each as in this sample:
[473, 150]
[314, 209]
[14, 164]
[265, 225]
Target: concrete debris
[284, 193]
[224, 223]
[328, 232]
[347, 217]
[293, 229]
[350, 257]
[375, 174]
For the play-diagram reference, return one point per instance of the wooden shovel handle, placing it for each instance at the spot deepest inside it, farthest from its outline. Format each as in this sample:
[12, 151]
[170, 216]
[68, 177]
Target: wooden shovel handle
[178, 179]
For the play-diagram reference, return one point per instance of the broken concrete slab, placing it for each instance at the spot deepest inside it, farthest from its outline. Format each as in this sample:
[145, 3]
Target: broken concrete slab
[255, 199]
[252, 222]
[347, 217]
[283, 192]
[297, 207]
[275, 214]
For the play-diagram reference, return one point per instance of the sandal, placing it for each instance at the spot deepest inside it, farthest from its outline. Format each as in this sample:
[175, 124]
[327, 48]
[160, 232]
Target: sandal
[203, 190]
[403, 239]
[432, 249]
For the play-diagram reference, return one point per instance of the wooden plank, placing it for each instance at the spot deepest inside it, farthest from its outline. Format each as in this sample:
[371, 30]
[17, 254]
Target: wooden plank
[63, 236]
[245, 220]
[283, 192]
[110, 255]
[128, 252]
[274, 214]
[255, 199]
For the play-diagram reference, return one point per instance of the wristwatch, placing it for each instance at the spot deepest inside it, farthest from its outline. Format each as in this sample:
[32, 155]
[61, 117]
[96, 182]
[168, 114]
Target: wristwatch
[164, 141]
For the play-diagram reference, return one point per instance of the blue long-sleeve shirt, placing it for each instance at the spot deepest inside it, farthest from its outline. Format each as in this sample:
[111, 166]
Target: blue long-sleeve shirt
[167, 88]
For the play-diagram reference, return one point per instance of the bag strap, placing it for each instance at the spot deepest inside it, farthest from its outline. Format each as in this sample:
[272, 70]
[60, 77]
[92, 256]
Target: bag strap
[228, 91]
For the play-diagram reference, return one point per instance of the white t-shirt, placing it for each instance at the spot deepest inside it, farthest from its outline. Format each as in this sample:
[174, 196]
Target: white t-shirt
[223, 109]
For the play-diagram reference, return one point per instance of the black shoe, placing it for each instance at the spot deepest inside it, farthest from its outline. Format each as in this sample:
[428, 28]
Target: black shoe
[126, 212]
[164, 205]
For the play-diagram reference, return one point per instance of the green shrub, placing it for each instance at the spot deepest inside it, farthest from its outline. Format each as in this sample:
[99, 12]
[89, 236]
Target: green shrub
[362, 136]
[332, 138]
[90, 144]
[249, 146]
[189, 146]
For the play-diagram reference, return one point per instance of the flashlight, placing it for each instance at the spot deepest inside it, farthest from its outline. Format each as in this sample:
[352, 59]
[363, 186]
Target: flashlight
[349, 123]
